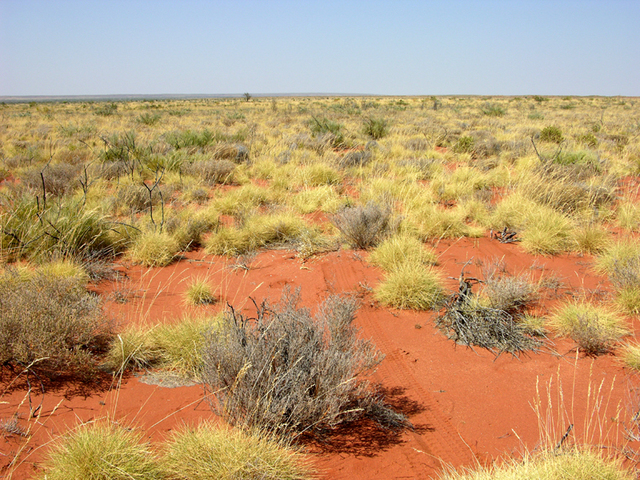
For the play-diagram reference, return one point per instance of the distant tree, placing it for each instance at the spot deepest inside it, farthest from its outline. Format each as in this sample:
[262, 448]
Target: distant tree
[247, 96]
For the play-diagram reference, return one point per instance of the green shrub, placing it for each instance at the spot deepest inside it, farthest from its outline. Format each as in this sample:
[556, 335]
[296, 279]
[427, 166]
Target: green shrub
[630, 355]
[131, 348]
[588, 139]
[323, 127]
[547, 232]
[213, 452]
[101, 451]
[376, 128]
[411, 285]
[149, 119]
[493, 110]
[106, 109]
[287, 372]
[180, 347]
[258, 231]
[464, 144]
[551, 134]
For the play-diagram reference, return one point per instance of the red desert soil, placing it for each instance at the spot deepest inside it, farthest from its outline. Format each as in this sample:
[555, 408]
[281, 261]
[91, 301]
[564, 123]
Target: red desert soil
[466, 405]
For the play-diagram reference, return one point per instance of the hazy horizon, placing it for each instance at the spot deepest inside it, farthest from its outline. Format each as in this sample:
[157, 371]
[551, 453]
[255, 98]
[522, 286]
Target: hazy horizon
[286, 47]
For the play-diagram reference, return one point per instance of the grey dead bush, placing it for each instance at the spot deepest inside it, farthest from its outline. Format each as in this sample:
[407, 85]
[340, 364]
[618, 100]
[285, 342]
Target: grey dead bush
[365, 226]
[356, 158]
[59, 179]
[212, 172]
[237, 152]
[51, 324]
[288, 372]
[467, 321]
[513, 294]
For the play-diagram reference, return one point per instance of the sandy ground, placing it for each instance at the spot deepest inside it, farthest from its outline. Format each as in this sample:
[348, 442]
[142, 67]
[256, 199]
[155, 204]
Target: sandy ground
[466, 405]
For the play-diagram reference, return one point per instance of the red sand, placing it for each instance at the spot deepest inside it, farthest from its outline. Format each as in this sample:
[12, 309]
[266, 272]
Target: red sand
[466, 405]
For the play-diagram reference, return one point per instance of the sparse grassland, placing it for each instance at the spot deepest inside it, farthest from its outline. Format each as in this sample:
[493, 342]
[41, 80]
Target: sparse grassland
[84, 184]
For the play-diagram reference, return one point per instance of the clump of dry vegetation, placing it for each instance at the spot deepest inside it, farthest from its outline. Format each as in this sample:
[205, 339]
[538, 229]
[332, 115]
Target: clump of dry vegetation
[494, 320]
[51, 324]
[289, 373]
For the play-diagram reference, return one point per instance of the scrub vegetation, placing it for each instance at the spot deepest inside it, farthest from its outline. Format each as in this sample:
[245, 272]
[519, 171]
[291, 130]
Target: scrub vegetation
[85, 184]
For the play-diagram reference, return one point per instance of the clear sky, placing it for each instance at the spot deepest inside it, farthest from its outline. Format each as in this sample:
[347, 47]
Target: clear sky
[382, 47]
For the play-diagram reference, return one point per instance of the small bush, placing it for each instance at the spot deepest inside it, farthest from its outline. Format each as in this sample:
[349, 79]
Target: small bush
[234, 152]
[287, 372]
[411, 285]
[630, 355]
[53, 320]
[153, 249]
[212, 172]
[376, 128]
[356, 158]
[149, 119]
[258, 231]
[492, 110]
[595, 329]
[575, 464]
[513, 295]
[621, 262]
[189, 228]
[59, 179]
[180, 347]
[106, 109]
[465, 320]
[551, 134]
[399, 249]
[199, 293]
[547, 232]
[175, 347]
[364, 227]
[210, 451]
[464, 144]
[588, 139]
[63, 229]
[591, 238]
[101, 451]
[131, 348]
[323, 127]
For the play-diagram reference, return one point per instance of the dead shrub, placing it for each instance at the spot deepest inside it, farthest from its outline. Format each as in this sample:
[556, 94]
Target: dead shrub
[513, 294]
[289, 373]
[356, 158]
[212, 172]
[465, 320]
[59, 179]
[365, 226]
[51, 325]
[237, 153]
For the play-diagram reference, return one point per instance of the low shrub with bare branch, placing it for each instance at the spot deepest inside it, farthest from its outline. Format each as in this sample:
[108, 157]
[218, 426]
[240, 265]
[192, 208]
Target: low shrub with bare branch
[290, 373]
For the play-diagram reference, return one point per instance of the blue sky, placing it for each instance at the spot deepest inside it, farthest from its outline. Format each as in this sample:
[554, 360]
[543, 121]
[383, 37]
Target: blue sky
[385, 47]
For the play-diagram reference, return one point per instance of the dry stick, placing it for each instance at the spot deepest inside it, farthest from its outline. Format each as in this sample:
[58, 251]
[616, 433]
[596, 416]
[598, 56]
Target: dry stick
[564, 437]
